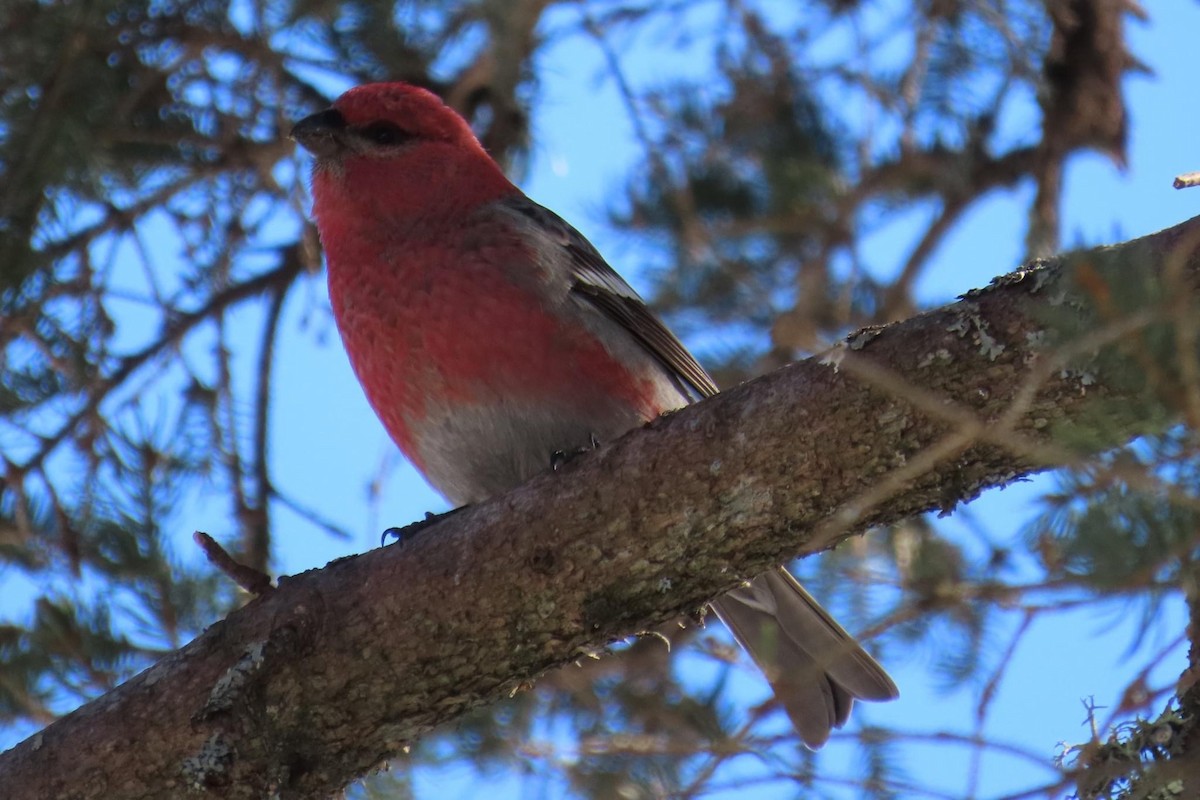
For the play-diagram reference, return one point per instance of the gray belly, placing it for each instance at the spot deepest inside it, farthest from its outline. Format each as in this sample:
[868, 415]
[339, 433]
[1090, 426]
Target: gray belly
[472, 454]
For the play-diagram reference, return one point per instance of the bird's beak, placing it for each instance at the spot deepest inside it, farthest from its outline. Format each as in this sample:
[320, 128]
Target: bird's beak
[321, 133]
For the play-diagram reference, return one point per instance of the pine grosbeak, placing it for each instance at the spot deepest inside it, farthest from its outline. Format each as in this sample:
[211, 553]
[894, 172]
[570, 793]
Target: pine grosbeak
[488, 335]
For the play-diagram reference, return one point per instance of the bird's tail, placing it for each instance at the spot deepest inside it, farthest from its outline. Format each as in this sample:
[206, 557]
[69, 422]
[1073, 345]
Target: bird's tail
[814, 666]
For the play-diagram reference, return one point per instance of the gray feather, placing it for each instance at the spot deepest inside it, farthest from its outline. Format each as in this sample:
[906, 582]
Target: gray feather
[814, 666]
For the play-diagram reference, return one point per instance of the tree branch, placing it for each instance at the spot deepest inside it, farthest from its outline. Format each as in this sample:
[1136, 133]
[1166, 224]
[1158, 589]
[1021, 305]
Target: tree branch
[314, 684]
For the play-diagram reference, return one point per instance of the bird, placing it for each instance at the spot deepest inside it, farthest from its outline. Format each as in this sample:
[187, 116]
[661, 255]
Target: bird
[488, 335]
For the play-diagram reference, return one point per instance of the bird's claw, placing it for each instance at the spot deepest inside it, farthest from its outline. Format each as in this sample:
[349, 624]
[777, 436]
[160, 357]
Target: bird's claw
[559, 458]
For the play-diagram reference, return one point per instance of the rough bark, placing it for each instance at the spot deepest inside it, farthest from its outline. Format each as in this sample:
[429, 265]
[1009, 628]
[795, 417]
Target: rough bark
[318, 681]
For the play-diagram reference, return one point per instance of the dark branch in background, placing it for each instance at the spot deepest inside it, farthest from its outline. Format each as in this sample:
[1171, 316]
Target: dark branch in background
[492, 80]
[228, 439]
[317, 682]
[258, 530]
[898, 301]
[173, 333]
[1082, 104]
[719, 221]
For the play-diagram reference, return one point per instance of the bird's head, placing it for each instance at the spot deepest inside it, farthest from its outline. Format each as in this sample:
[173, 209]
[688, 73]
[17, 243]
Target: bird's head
[398, 143]
[381, 121]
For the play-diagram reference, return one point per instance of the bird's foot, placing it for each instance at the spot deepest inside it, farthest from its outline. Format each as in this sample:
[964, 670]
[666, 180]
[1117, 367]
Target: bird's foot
[407, 533]
[559, 458]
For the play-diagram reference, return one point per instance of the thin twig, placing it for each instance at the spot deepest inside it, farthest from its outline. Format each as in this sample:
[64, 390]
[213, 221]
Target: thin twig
[250, 579]
[173, 333]
[1187, 180]
[260, 535]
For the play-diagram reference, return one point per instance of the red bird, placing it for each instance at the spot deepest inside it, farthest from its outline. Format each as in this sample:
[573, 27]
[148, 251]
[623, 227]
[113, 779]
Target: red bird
[488, 334]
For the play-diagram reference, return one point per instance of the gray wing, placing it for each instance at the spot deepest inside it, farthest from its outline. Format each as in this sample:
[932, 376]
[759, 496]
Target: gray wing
[599, 284]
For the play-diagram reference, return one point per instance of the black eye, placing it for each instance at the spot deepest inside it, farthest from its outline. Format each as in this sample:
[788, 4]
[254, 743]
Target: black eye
[383, 133]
